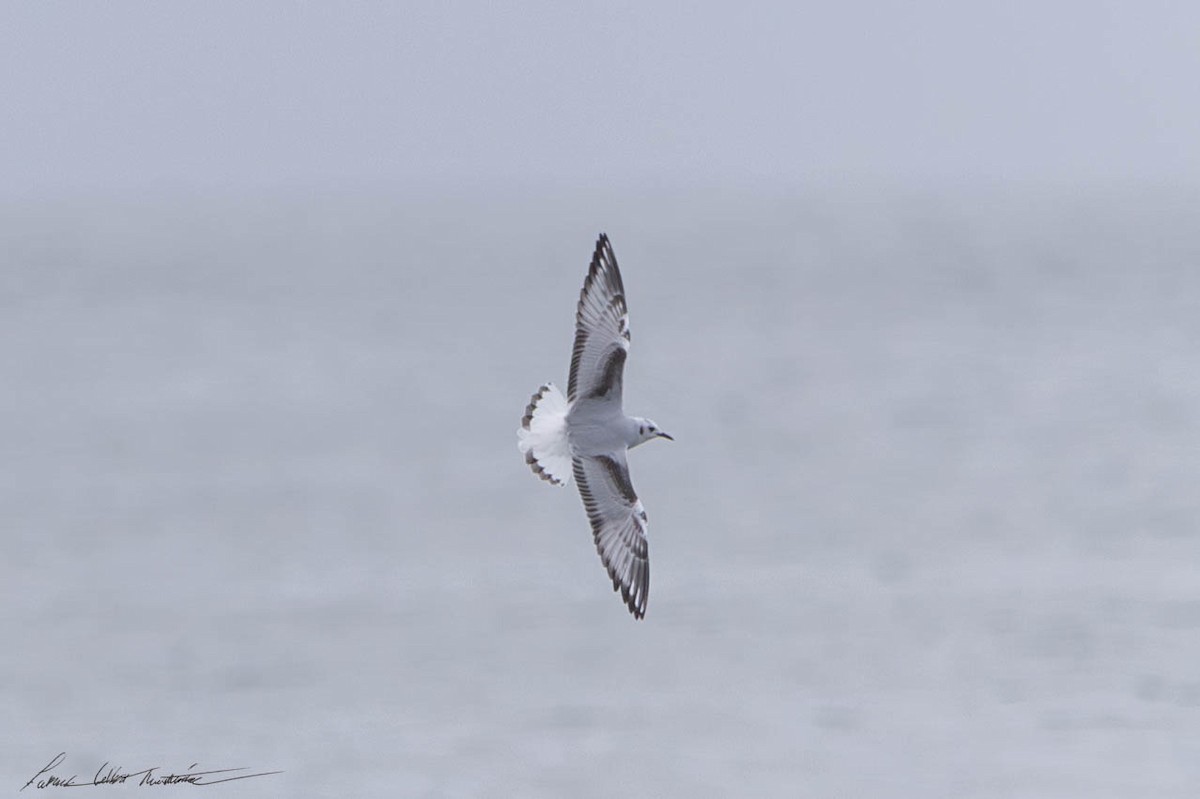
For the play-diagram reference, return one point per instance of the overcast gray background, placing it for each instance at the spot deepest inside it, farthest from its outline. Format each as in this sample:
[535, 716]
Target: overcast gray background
[914, 285]
[131, 95]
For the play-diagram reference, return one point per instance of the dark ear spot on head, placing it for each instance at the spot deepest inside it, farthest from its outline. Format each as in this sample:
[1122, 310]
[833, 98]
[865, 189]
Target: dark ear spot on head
[641, 430]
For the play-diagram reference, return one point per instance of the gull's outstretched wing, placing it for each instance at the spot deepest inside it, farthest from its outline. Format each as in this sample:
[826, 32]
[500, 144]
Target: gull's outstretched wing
[618, 525]
[601, 330]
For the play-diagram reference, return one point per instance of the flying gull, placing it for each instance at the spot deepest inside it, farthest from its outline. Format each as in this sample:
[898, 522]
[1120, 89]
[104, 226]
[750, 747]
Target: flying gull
[586, 433]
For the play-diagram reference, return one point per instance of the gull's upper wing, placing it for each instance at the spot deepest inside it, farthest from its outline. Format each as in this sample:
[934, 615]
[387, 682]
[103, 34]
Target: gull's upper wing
[618, 525]
[601, 330]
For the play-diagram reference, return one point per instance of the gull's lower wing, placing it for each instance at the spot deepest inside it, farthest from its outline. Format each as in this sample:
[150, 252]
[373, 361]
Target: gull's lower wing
[618, 525]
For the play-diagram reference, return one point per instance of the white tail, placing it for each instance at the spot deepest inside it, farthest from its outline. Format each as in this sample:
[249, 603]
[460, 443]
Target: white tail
[543, 435]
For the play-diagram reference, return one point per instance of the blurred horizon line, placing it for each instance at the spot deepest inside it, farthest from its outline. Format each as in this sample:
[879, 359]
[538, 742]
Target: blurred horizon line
[834, 187]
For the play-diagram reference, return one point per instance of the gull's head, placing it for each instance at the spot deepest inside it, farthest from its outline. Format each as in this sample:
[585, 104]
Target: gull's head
[647, 429]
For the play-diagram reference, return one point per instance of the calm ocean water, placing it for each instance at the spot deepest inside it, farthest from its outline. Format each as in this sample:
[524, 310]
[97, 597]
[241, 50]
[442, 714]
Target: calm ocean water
[929, 527]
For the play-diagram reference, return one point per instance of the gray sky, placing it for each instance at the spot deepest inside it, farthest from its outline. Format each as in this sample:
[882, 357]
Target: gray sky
[138, 96]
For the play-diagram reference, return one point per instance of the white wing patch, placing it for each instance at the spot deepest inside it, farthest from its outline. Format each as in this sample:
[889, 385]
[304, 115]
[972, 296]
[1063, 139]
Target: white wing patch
[618, 525]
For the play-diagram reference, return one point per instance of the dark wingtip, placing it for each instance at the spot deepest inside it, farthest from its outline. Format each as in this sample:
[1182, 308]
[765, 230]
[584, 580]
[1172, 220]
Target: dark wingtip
[638, 611]
[629, 595]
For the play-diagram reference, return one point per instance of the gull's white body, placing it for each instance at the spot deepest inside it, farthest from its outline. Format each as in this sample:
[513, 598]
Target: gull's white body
[586, 433]
[598, 427]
